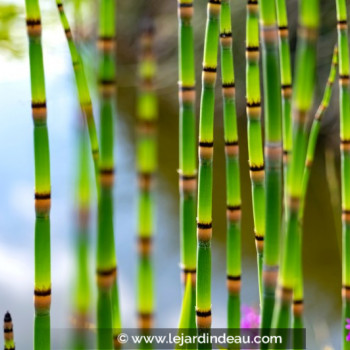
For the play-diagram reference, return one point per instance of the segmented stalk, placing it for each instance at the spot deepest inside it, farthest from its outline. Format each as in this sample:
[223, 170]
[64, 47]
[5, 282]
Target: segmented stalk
[273, 155]
[302, 101]
[315, 128]
[255, 144]
[42, 261]
[146, 158]
[82, 298]
[344, 106]
[8, 332]
[233, 193]
[187, 149]
[108, 303]
[82, 86]
[286, 87]
[205, 185]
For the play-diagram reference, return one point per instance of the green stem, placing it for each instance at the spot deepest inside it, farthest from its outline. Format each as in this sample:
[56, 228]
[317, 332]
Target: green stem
[187, 149]
[205, 186]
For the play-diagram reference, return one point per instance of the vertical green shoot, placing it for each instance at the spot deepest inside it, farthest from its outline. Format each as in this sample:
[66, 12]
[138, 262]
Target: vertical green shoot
[187, 148]
[108, 302]
[273, 154]
[286, 87]
[255, 144]
[205, 183]
[233, 194]
[146, 159]
[42, 261]
[344, 107]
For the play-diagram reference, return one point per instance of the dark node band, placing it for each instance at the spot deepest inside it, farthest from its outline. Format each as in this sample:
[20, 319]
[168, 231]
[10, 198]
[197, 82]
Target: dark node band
[188, 270]
[145, 240]
[7, 317]
[233, 278]
[41, 196]
[233, 207]
[108, 272]
[145, 315]
[204, 226]
[107, 171]
[344, 76]
[259, 238]
[252, 48]
[42, 293]
[60, 6]
[39, 104]
[346, 211]
[107, 81]
[228, 85]
[253, 104]
[216, 2]
[106, 38]
[282, 27]
[252, 2]
[187, 177]
[8, 330]
[226, 35]
[285, 152]
[257, 167]
[68, 31]
[206, 144]
[187, 88]
[203, 313]
[185, 4]
[286, 86]
[347, 288]
[231, 143]
[209, 69]
[342, 21]
[33, 22]
[298, 302]
[345, 142]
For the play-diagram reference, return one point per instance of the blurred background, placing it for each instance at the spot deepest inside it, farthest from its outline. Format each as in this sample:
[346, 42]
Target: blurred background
[321, 250]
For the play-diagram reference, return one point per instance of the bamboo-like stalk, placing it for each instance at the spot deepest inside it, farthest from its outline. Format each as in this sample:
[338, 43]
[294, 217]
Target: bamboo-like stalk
[233, 192]
[255, 144]
[82, 298]
[187, 150]
[286, 87]
[147, 115]
[205, 183]
[344, 106]
[302, 101]
[42, 261]
[273, 155]
[8, 332]
[82, 85]
[108, 301]
[315, 129]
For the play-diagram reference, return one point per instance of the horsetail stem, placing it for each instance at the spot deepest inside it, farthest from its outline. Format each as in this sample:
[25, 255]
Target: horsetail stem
[302, 100]
[8, 332]
[187, 148]
[146, 155]
[42, 288]
[83, 289]
[108, 304]
[233, 194]
[82, 85]
[273, 155]
[206, 145]
[315, 129]
[255, 148]
[344, 106]
[286, 86]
